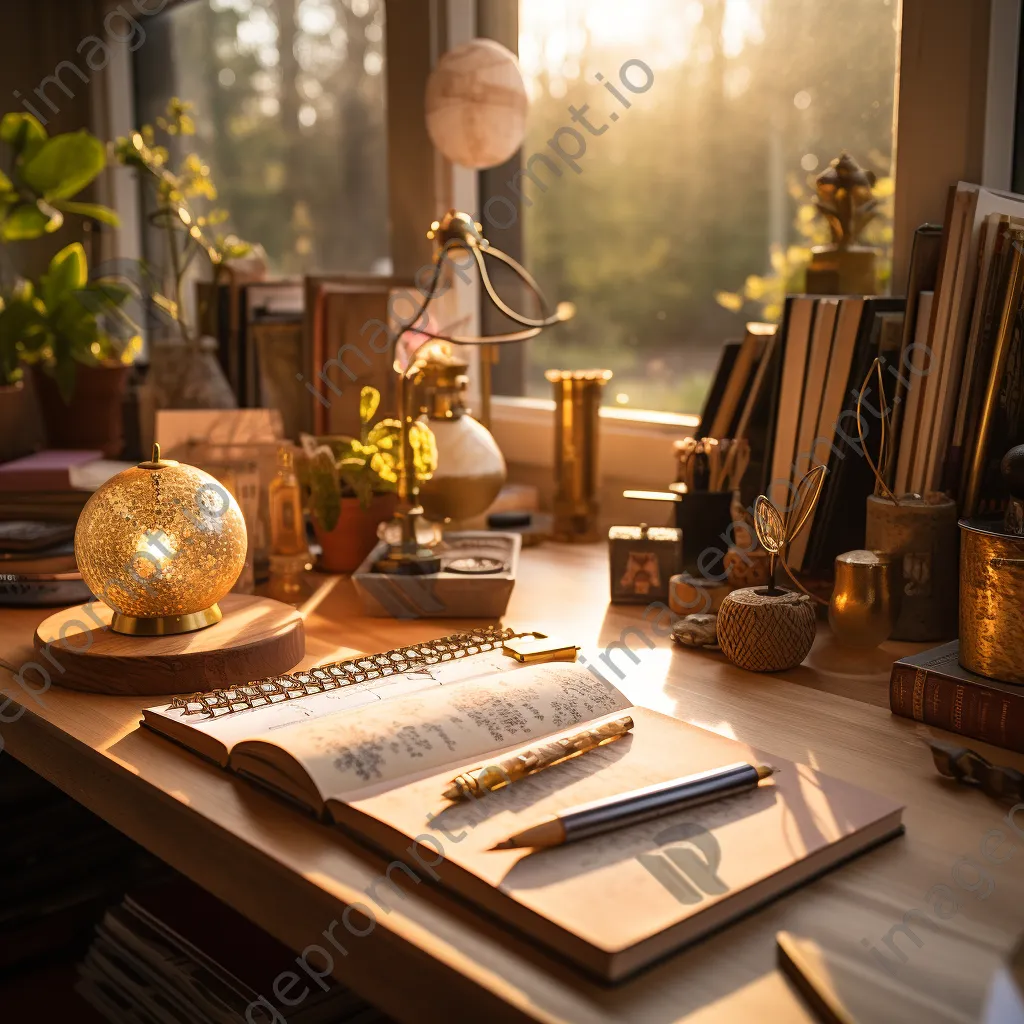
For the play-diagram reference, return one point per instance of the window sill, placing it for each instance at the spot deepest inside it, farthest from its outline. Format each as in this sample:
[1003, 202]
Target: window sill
[635, 446]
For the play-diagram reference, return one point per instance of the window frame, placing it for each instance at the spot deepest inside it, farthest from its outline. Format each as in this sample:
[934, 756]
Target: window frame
[956, 68]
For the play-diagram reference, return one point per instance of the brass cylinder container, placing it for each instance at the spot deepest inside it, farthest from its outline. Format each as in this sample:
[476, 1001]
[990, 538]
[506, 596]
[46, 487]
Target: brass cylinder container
[577, 395]
[991, 601]
[866, 600]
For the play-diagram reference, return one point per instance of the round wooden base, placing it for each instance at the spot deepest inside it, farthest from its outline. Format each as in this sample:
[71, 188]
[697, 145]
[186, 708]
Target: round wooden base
[256, 638]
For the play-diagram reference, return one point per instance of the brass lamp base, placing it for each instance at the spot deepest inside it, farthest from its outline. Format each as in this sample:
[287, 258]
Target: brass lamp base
[165, 625]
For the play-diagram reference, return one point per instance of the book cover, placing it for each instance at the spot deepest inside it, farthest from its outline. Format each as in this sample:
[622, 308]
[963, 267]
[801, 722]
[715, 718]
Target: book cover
[932, 687]
[840, 518]
[48, 470]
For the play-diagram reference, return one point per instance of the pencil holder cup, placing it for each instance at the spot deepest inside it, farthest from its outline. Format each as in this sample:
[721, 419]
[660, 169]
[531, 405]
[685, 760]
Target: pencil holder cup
[705, 518]
[761, 631]
[920, 535]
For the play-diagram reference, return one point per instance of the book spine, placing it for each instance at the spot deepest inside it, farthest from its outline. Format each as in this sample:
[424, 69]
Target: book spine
[959, 706]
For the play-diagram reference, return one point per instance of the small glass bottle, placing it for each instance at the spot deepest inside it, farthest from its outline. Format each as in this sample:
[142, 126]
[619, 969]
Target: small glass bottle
[287, 527]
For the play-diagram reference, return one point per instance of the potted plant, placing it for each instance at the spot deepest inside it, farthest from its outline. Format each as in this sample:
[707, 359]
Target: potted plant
[350, 484]
[48, 325]
[79, 365]
[184, 369]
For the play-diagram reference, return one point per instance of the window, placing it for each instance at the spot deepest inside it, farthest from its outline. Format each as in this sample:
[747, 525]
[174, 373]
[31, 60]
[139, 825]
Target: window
[684, 211]
[289, 110]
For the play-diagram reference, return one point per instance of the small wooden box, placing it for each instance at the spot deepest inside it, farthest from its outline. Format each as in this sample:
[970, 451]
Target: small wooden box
[643, 559]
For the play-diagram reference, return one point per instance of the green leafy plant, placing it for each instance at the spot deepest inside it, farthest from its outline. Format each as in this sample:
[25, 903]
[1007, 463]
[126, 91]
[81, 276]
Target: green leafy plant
[43, 176]
[62, 322]
[333, 468]
[183, 199]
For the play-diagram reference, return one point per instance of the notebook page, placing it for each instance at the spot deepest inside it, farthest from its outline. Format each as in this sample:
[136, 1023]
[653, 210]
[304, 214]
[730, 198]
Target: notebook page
[378, 745]
[267, 720]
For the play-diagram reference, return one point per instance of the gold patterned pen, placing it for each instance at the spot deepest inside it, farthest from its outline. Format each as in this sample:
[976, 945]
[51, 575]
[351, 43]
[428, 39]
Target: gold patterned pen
[535, 757]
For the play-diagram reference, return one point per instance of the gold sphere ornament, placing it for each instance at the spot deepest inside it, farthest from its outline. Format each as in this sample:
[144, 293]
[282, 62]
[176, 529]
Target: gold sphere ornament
[476, 104]
[161, 544]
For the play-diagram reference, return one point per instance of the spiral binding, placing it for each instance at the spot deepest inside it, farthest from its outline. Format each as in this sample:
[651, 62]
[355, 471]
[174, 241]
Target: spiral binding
[342, 673]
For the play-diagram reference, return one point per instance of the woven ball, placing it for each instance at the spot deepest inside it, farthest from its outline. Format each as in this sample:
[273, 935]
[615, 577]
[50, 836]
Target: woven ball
[766, 633]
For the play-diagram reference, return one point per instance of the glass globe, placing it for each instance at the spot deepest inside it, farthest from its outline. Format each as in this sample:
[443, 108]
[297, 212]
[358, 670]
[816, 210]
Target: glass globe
[161, 544]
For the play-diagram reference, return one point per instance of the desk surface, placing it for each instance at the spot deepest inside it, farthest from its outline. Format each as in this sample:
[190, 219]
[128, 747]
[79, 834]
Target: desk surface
[430, 957]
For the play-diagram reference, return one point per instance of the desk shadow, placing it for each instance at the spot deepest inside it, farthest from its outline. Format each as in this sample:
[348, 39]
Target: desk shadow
[522, 795]
[831, 657]
[541, 868]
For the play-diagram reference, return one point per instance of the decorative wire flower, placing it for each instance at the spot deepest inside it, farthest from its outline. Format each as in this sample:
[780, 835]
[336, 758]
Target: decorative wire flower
[775, 531]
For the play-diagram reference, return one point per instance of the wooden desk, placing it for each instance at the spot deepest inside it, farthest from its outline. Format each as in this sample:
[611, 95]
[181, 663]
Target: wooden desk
[432, 959]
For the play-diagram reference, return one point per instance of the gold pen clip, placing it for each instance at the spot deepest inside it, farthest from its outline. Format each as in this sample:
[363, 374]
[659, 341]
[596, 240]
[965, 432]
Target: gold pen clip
[535, 649]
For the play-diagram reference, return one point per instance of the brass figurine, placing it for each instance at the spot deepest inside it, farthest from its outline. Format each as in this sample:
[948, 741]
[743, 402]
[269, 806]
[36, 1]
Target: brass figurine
[534, 758]
[847, 202]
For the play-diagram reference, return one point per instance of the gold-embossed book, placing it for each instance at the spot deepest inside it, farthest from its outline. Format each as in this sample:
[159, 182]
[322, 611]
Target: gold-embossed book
[376, 761]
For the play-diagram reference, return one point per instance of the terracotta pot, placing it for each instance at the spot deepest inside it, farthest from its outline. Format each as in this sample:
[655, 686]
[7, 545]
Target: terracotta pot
[355, 533]
[17, 421]
[94, 417]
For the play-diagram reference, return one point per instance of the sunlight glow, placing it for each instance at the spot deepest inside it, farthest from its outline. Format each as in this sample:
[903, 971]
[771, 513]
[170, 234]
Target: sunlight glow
[554, 33]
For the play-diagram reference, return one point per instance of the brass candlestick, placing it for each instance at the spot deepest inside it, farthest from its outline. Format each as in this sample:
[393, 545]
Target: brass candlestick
[577, 402]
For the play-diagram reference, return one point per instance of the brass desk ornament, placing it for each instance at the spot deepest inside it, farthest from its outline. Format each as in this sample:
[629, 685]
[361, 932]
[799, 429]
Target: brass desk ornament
[768, 629]
[846, 200]
[577, 395]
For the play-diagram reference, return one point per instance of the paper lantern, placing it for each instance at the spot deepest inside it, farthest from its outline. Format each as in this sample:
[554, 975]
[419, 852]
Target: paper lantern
[476, 104]
[161, 544]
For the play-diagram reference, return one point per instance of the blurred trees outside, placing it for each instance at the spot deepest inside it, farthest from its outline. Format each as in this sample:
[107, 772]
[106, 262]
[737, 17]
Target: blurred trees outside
[703, 185]
[698, 192]
[289, 110]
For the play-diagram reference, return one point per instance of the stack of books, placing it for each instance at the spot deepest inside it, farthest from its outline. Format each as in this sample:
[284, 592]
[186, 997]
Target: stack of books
[171, 952]
[969, 344]
[740, 401]
[41, 497]
[828, 345]
[46, 486]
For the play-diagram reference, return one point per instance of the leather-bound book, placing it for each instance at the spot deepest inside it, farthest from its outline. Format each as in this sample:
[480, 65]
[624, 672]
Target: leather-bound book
[933, 688]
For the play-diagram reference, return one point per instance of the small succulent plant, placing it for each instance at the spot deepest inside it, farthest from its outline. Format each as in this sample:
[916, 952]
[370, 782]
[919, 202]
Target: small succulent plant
[332, 468]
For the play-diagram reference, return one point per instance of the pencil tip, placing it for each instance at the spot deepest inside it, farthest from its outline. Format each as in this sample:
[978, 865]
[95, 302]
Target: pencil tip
[764, 771]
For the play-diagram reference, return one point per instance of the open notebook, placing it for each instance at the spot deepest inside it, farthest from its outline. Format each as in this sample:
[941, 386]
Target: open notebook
[374, 759]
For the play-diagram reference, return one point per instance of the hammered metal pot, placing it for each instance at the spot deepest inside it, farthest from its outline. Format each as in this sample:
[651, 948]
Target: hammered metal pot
[991, 601]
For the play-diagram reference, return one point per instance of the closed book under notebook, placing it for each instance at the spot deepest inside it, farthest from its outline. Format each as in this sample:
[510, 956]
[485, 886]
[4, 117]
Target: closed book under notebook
[376, 764]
